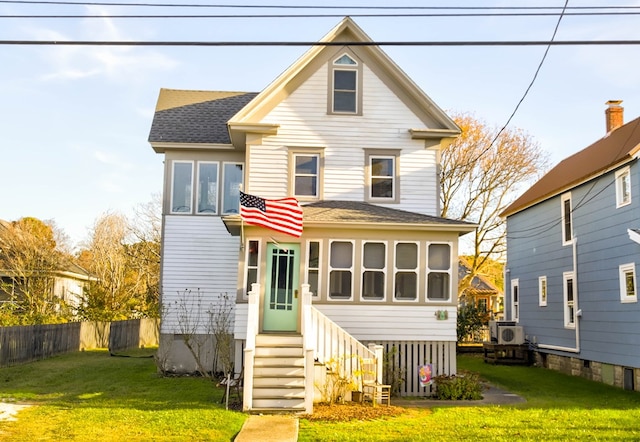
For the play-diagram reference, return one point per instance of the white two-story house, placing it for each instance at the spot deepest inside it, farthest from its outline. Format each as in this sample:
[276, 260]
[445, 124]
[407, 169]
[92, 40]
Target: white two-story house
[357, 143]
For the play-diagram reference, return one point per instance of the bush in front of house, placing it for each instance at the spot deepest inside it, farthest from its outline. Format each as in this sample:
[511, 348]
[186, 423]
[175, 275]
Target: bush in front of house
[464, 386]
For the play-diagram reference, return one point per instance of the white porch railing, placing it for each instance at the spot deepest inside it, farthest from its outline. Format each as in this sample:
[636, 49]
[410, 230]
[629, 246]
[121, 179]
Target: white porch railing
[250, 345]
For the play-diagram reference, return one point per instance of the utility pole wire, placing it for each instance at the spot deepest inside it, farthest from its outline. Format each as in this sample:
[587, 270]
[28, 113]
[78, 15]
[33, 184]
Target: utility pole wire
[316, 43]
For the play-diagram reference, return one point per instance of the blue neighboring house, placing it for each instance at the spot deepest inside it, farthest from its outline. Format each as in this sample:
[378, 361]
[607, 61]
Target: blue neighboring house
[573, 244]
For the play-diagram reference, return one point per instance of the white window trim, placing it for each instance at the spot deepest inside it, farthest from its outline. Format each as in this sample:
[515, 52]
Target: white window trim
[383, 270]
[623, 270]
[567, 313]
[429, 270]
[319, 268]
[543, 291]
[625, 171]
[515, 305]
[223, 188]
[195, 207]
[567, 197]
[351, 269]
[171, 184]
[396, 270]
[246, 265]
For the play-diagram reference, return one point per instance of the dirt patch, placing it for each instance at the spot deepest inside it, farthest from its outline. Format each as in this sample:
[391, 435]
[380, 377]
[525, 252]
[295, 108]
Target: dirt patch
[352, 411]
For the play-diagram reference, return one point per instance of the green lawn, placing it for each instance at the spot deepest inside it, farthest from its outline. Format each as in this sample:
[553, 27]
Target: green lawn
[92, 396]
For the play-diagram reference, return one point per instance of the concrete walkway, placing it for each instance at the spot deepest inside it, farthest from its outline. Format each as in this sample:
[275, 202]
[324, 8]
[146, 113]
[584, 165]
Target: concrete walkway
[269, 428]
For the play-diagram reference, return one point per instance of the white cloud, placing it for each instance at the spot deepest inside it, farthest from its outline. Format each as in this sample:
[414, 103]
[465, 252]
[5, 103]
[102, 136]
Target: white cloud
[117, 63]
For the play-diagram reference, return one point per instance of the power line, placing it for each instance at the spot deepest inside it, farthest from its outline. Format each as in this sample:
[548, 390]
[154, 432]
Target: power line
[341, 7]
[316, 43]
[358, 15]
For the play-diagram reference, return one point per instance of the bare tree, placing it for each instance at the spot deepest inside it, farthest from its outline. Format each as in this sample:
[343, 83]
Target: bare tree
[482, 171]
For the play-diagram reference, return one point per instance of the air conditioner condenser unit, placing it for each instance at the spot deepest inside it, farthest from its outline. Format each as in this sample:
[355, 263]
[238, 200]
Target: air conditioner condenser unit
[510, 334]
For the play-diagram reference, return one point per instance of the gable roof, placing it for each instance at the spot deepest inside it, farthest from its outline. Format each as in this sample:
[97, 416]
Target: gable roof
[479, 284]
[345, 214]
[614, 149]
[184, 116]
[347, 31]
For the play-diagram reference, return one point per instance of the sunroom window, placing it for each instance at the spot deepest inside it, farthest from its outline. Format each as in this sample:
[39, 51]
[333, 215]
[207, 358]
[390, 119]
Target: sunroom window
[233, 179]
[181, 187]
[439, 272]
[341, 269]
[207, 188]
[406, 271]
[373, 270]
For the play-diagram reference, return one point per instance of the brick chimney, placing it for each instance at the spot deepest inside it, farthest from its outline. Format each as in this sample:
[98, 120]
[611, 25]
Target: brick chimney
[614, 115]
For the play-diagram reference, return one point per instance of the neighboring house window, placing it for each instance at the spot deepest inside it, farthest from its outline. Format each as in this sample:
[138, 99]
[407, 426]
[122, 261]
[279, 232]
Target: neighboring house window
[542, 291]
[374, 258]
[340, 269]
[182, 179]
[628, 291]
[406, 271]
[207, 188]
[569, 300]
[345, 86]
[382, 175]
[233, 179]
[438, 272]
[482, 305]
[623, 187]
[515, 299]
[313, 267]
[567, 228]
[253, 260]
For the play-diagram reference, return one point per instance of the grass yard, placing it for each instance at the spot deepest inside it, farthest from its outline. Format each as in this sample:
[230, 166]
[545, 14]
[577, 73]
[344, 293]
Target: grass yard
[93, 396]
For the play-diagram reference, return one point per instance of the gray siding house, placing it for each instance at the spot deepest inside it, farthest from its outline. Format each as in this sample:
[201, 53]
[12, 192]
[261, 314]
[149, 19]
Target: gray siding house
[573, 246]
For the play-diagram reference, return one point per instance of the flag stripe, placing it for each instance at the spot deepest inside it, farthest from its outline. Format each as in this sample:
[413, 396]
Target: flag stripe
[283, 215]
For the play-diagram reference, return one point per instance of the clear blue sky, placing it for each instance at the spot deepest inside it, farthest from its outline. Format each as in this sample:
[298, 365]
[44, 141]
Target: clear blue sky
[75, 120]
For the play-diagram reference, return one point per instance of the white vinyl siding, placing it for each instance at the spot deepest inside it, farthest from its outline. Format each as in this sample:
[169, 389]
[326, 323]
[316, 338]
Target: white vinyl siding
[391, 322]
[302, 117]
[198, 256]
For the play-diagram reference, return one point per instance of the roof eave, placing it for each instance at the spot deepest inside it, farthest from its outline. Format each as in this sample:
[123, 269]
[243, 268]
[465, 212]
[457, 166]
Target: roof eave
[163, 147]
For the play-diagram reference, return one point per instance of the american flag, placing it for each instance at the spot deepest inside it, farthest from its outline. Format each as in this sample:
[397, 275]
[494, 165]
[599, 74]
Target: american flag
[283, 215]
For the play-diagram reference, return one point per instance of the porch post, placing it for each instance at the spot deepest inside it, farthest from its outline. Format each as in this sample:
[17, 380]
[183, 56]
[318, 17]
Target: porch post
[308, 339]
[250, 346]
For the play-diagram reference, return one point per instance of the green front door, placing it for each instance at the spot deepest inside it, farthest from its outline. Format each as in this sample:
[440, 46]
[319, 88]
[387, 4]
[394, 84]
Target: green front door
[281, 297]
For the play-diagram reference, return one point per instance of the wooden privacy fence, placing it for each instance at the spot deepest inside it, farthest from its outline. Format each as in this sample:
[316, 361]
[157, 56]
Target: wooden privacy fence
[33, 342]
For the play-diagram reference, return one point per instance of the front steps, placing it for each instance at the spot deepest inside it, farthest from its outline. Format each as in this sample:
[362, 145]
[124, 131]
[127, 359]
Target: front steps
[278, 374]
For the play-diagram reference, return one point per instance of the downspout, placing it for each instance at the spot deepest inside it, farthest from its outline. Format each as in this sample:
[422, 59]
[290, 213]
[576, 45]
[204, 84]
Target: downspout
[578, 312]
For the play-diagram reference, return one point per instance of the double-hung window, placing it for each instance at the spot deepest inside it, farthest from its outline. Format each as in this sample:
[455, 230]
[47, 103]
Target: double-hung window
[628, 291]
[405, 287]
[623, 187]
[438, 272]
[345, 86]
[252, 259]
[569, 300]
[374, 258]
[567, 219]
[542, 291]
[313, 267]
[382, 175]
[515, 299]
[181, 193]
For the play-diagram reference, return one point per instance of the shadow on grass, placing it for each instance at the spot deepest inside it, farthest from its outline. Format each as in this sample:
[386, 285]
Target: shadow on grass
[545, 388]
[96, 379]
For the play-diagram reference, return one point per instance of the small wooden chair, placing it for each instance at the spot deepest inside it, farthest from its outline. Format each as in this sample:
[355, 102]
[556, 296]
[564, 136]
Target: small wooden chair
[371, 388]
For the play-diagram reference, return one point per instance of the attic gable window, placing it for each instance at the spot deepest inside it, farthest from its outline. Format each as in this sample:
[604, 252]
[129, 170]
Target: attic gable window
[346, 75]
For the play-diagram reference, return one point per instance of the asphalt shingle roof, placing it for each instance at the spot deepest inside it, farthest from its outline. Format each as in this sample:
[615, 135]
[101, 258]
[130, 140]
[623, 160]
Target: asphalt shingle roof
[184, 116]
[588, 163]
[360, 212]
